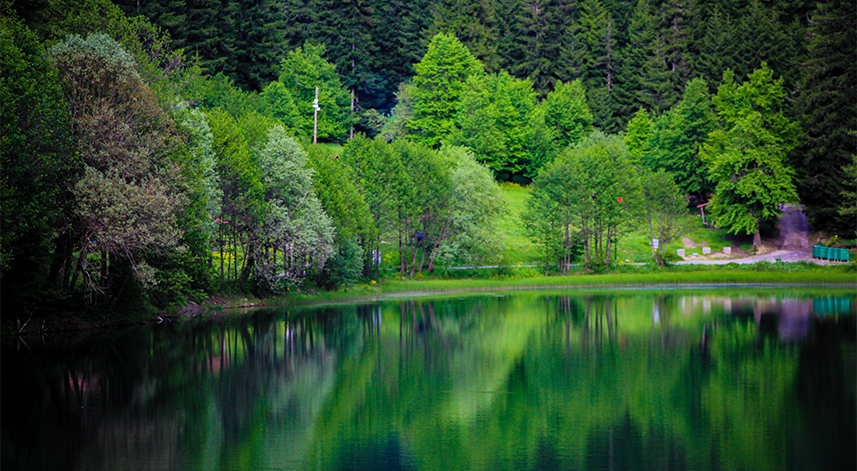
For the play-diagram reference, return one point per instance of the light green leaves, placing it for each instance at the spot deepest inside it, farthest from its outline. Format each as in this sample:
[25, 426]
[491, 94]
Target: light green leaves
[747, 158]
[440, 80]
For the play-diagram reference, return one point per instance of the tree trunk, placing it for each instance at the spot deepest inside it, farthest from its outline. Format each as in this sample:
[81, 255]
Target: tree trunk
[401, 254]
[431, 258]
[757, 237]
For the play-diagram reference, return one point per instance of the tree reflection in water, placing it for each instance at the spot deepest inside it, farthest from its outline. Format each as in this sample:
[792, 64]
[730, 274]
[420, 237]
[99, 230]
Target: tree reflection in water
[669, 380]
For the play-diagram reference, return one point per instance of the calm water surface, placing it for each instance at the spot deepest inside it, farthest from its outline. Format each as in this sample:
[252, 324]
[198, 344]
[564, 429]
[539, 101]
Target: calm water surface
[716, 380]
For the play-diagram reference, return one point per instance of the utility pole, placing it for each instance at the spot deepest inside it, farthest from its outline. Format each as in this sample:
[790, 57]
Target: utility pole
[315, 118]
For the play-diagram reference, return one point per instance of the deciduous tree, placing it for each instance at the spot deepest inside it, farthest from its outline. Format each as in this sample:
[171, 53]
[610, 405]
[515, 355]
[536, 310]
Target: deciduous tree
[440, 80]
[747, 158]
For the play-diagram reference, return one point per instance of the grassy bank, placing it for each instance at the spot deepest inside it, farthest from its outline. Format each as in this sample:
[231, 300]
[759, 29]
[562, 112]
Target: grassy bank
[786, 274]
[841, 279]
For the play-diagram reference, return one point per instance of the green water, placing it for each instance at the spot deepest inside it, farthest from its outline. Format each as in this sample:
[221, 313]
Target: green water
[699, 380]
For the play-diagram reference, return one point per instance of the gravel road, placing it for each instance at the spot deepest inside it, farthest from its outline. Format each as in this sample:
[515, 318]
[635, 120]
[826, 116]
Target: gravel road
[792, 244]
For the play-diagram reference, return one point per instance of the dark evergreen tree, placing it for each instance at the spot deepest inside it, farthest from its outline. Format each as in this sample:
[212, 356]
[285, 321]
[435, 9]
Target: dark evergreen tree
[473, 22]
[828, 109]
[399, 39]
[717, 47]
[209, 35]
[299, 22]
[168, 14]
[259, 44]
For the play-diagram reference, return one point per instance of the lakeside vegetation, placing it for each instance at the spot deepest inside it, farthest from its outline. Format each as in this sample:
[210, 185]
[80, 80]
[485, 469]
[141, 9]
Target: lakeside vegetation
[135, 178]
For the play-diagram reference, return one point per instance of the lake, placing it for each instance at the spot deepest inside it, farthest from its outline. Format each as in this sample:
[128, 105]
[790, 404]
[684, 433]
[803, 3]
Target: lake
[716, 378]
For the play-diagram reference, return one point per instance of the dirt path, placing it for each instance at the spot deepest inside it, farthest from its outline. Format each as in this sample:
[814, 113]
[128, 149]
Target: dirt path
[791, 244]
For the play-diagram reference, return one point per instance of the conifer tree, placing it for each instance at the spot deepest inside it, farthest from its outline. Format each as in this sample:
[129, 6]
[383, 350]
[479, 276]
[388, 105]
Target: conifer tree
[258, 44]
[473, 22]
[828, 110]
[717, 47]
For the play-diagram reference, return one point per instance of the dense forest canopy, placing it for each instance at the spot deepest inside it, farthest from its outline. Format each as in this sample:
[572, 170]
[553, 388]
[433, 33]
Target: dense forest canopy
[162, 150]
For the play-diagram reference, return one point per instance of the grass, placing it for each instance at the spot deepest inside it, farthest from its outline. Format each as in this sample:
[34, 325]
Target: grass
[635, 246]
[834, 278]
[520, 250]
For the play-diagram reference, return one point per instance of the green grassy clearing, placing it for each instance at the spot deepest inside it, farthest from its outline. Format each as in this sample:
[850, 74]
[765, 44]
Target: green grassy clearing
[520, 250]
[634, 246]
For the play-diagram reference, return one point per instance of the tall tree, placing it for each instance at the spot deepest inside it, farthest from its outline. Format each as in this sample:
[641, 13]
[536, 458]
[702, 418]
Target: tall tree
[639, 139]
[717, 46]
[36, 160]
[493, 119]
[477, 205]
[828, 109]
[679, 138]
[128, 197]
[567, 113]
[440, 79]
[583, 197]
[600, 64]
[259, 43]
[338, 191]
[747, 158]
[385, 186]
[664, 210]
[304, 69]
[473, 22]
[294, 222]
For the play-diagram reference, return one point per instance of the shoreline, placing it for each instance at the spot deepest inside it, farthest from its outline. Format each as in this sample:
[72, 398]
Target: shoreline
[225, 305]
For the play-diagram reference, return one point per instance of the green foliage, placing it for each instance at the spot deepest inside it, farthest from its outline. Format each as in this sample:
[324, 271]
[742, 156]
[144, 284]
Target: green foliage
[304, 69]
[477, 205]
[827, 110]
[747, 159]
[344, 268]
[295, 220]
[473, 22]
[679, 137]
[341, 196]
[493, 120]
[397, 124]
[639, 138]
[385, 186]
[36, 158]
[567, 113]
[440, 80]
[581, 197]
[220, 91]
[128, 197]
[342, 199]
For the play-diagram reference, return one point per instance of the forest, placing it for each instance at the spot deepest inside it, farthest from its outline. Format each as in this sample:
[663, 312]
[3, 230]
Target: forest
[159, 152]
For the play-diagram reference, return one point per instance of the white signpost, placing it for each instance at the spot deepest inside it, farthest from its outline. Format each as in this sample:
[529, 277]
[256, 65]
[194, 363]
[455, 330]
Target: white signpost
[316, 109]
